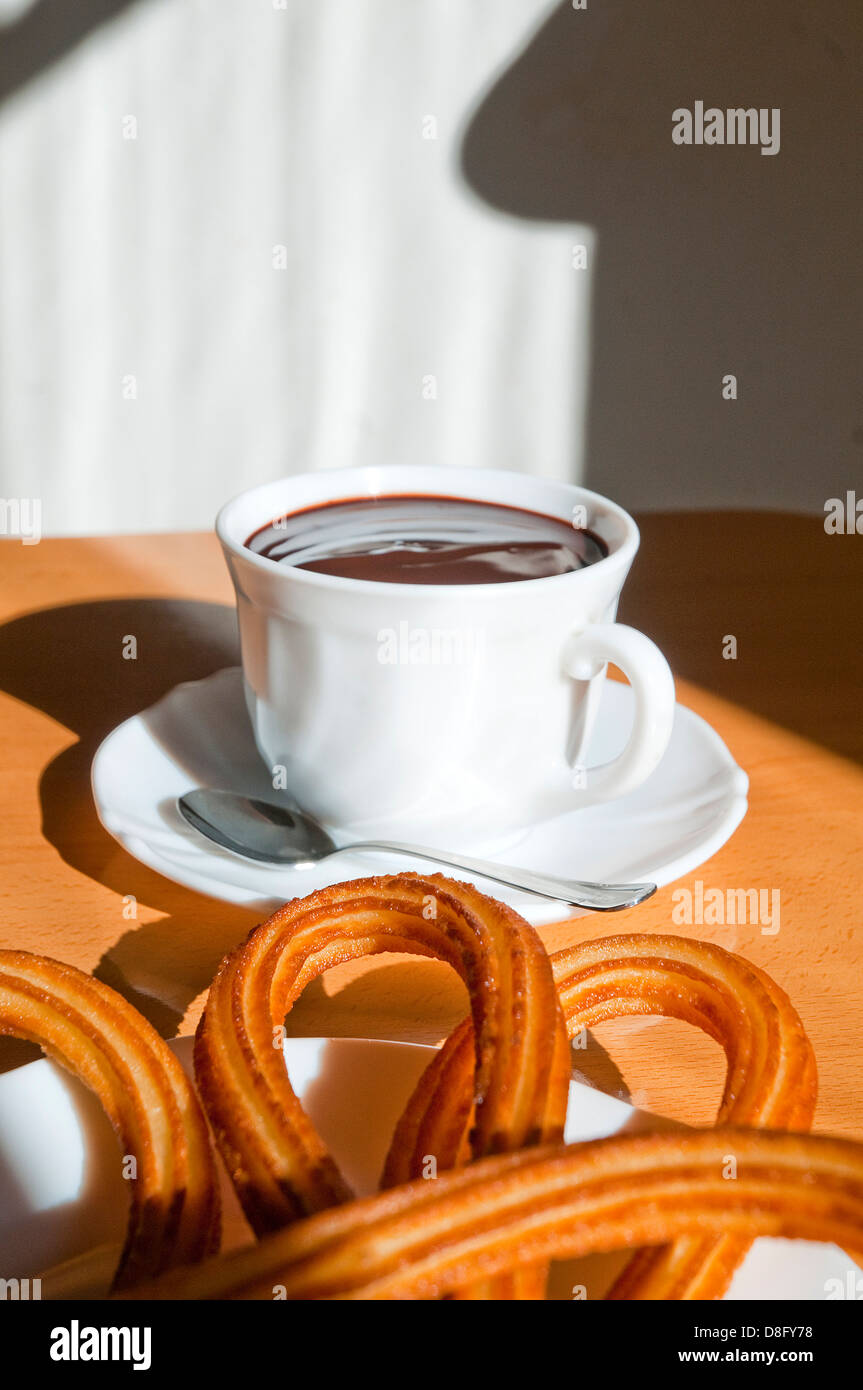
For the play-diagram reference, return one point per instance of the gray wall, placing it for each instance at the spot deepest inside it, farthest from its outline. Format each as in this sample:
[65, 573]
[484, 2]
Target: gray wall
[710, 260]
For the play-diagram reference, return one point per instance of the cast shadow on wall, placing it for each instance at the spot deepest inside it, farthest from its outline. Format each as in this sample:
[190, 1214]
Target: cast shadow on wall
[710, 260]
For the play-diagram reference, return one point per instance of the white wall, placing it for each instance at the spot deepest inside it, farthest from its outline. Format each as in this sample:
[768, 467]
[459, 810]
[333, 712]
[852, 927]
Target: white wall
[152, 258]
[302, 126]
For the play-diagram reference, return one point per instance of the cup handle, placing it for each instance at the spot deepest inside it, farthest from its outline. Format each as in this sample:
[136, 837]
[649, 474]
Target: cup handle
[652, 684]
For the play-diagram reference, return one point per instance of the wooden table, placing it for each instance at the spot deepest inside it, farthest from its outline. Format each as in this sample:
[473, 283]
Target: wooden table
[788, 707]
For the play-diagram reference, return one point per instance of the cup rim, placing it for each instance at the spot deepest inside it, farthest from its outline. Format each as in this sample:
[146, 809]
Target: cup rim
[364, 476]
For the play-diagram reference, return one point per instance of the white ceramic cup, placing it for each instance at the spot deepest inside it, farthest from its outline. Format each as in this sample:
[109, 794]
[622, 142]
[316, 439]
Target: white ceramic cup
[452, 714]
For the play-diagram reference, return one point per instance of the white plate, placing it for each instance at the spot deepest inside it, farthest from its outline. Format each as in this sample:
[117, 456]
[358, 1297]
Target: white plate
[199, 735]
[63, 1199]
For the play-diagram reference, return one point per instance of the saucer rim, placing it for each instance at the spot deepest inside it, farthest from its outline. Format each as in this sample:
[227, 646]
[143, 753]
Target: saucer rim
[540, 912]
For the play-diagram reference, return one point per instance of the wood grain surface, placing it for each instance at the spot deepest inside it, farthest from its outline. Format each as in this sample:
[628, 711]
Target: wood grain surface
[788, 706]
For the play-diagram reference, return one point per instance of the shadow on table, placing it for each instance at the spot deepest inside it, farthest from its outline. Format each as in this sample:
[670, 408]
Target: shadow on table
[783, 589]
[68, 662]
[423, 1001]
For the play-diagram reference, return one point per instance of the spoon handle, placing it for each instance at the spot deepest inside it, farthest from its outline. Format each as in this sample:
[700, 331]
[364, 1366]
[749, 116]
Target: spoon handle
[597, 897]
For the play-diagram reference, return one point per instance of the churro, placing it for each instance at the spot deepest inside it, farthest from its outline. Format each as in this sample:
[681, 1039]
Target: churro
[427, 1238]
[93, 1032]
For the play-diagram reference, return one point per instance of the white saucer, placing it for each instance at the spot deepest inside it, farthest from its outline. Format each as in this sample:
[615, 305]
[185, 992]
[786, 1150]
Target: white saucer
[63, 1203]
[199, 735]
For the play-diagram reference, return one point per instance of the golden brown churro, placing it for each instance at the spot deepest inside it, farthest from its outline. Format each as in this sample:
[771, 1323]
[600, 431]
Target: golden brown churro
[505, 1196]
[770, 1077]
[93, 1032]
[425, 1239]
[280, 1166]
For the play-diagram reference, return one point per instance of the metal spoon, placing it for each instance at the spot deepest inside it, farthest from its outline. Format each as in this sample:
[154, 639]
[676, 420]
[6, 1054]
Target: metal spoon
[275, 834]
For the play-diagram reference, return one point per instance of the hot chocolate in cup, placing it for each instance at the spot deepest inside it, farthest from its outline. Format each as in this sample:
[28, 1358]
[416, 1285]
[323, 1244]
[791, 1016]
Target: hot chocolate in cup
[424, 649]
